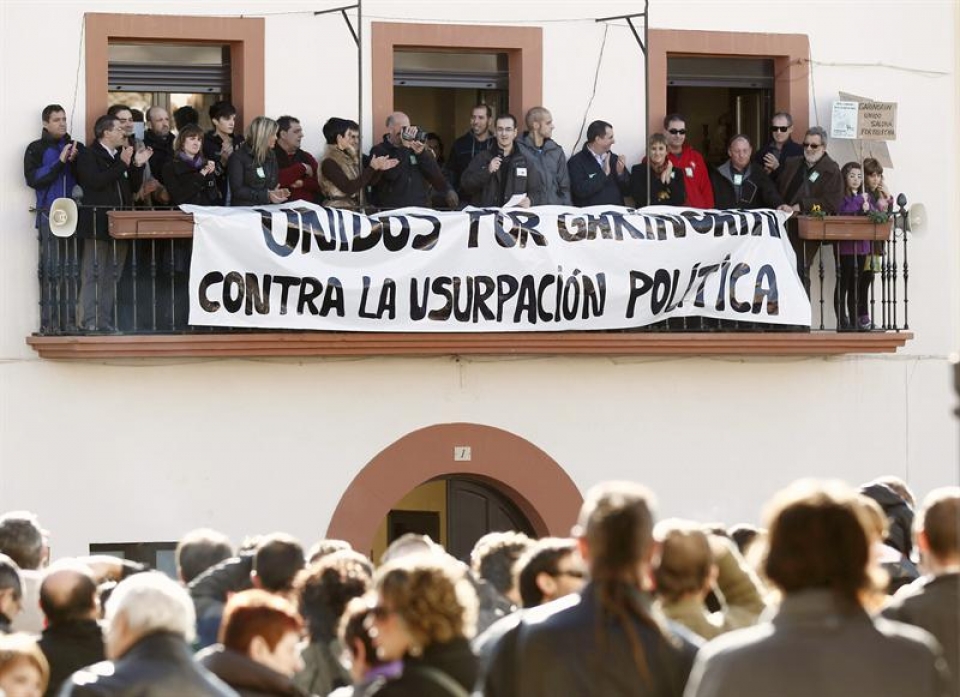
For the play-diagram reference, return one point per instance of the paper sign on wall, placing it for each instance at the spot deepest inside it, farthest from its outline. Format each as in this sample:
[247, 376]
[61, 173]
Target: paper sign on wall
[843, 123]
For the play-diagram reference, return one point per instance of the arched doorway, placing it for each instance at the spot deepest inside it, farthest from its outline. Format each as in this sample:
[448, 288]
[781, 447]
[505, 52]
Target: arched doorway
[532, 482]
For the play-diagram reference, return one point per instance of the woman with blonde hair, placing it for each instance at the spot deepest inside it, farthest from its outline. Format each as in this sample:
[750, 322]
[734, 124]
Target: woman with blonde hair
[252, 169]
[24, 670]
[424, 614]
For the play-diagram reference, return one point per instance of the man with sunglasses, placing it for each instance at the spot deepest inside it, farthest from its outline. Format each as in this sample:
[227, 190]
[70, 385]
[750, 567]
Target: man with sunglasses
[781, 146]
[812, 181]
[696, 176]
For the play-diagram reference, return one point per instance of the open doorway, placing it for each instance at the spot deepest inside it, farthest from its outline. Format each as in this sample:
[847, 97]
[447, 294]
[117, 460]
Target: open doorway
[438, 89]
[455, 511]
[721, 97]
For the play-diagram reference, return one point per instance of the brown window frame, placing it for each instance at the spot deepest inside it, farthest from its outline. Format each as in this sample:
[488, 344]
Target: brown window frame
[244, 36]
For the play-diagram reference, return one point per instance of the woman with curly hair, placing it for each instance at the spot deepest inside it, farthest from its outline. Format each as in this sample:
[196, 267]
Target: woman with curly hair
[325, 588]
[24, 670]
[424, 614]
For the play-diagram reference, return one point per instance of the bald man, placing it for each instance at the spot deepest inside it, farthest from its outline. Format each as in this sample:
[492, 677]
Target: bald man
[73, 638]
[407, 184]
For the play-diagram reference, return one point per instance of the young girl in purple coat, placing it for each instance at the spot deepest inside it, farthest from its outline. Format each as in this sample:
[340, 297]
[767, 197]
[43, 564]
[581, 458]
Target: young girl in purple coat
[856, 273]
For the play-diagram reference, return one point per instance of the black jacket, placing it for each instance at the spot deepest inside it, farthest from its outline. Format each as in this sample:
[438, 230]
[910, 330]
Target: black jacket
[515, 176]
[672, 194]
[162, 152]
[107, 182]
[453, 658]
[186, 185]
[580, 650]
[407, 183]
[933, 603]
[69, 647]
[159, 665]
[756, 190]
[246, 676]
[790, 149]
[588, 184]
[250, 182]
[465, 148]
[211, 589]
[212, 149]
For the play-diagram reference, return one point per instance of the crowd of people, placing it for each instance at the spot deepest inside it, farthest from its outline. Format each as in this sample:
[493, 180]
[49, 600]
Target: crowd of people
[497, 162]
[843, 592]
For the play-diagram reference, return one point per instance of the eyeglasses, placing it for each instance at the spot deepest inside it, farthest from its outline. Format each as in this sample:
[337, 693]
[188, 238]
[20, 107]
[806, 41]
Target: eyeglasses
[572, 573]
[781, 129]
[506, 129]
[677, 131]
[812, 146]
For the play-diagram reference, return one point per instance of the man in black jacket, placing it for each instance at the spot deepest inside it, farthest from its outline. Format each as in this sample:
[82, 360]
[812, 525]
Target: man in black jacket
[932, 602]
[408, 183]
[109, 173]
[478, 139]
[159, 139]
[598, 177]
[738, 183]
[149, 625]
[496, 176]
[72, 638]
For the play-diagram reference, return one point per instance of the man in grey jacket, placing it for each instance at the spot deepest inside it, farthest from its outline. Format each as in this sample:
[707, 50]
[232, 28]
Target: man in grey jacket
[546, 157]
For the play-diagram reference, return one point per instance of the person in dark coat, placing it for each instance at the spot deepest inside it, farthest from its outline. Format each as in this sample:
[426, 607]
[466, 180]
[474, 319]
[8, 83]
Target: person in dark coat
[607, 639]
[424, 612]
[739, 183]
[149, 626]
[899, 539]
[409, 182]
[220, 142]
[109, 173]
[497, 175]
[598, 177]
[72, 638]
[666, 186]
[258, 652]
[469, 145]
[188, 175]
[933, 601]
[253, 171]
[781, 147]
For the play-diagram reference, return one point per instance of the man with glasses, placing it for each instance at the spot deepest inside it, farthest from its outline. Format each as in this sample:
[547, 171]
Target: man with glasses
[696, 176]
[781, 146]
[808, 183]
[499, 175]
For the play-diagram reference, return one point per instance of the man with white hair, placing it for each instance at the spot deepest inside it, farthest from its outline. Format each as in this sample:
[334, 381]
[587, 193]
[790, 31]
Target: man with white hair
[150, 622]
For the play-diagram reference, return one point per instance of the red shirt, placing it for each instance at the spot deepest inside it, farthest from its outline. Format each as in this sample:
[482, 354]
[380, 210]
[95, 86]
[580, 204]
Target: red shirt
[696, 178]
[291, 169]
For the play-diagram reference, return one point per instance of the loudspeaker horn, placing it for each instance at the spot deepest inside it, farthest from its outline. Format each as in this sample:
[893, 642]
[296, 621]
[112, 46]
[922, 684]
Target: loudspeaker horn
[63, 217]
[917, 218]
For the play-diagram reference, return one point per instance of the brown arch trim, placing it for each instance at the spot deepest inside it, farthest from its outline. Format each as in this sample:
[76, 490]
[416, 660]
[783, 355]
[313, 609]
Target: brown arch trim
[244, 35]
[790, 54]
[514, 466]
[524, 45]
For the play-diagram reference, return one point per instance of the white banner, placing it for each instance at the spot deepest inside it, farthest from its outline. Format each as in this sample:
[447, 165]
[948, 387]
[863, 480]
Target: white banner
[551, 268]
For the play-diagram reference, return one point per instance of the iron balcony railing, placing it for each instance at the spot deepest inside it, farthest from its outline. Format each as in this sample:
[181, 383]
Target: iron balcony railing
[131, 276]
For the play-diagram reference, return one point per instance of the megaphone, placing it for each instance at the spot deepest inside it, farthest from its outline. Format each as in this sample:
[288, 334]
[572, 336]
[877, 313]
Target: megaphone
[917, 218]
[63, 217]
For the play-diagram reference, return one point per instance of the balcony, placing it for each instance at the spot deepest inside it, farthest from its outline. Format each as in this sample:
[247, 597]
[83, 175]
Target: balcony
[138, 307]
